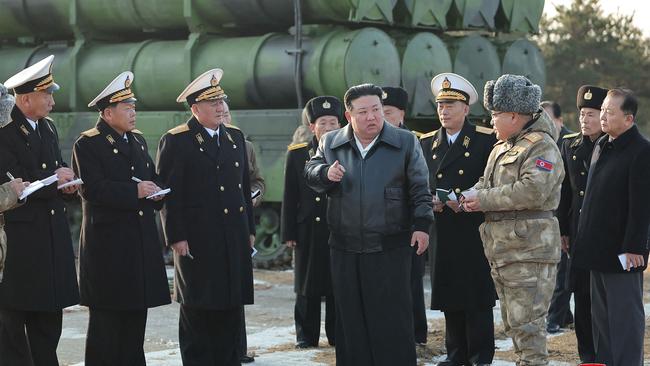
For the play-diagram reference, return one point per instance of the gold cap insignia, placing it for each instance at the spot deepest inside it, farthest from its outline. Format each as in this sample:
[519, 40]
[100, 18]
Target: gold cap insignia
[326, 105]
[384, 95]
[214, 81]
[588, 95]
[127, 82]
[446, 84]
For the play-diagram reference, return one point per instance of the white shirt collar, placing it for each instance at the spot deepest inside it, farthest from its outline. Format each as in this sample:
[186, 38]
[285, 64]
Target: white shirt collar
[212, 132]
[365, 150]
[452, 138]
[31, 123]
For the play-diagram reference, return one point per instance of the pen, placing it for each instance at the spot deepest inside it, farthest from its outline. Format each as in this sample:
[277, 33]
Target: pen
[10, 176]
[138, 180]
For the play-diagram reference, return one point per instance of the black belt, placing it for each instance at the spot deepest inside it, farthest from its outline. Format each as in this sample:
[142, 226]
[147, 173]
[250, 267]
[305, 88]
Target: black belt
[517, 215]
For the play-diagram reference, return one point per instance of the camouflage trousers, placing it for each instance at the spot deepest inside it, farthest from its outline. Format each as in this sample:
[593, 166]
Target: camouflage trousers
[525, 291]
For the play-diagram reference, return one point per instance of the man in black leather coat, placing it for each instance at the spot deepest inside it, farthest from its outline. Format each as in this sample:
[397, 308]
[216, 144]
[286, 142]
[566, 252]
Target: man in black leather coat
[379, 209]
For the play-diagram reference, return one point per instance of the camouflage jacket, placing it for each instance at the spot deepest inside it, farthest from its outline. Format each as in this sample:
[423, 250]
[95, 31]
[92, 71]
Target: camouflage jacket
[8, 199]
[519, 190]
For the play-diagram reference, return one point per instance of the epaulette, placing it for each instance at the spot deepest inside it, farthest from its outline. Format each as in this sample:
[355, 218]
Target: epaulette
[417, 134]
[178, 129]
[297, 146]
[485, 130]
[571, 135]
[233, 127]
[534, 137]
[90, 133]
[428, 134]
[49, 119]
[135, 130]
[7, 124]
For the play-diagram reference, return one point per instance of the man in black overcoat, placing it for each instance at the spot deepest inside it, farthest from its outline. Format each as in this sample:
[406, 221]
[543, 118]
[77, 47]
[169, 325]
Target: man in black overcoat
[121, 267]
[304, 228]
[40, 278]
[461, 285]
[576, 152]
[208, 222]
[612, 238]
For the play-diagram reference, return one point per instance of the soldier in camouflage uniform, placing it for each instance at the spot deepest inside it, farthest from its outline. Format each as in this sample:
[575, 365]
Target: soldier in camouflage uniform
[518, 192]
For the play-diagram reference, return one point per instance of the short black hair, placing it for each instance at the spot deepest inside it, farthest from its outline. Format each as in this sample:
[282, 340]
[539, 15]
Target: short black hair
[630, 103]
[359, 91]
[557, 110]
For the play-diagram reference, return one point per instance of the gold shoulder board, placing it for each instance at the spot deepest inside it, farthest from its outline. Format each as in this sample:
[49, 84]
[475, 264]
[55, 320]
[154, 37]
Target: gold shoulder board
[135, 130]
[297, 146]
[534, 137]
[178, 129]
[232, 126]
[485, 130]
[428, 134]
[90, 133]
[571, 135]
[417, 134]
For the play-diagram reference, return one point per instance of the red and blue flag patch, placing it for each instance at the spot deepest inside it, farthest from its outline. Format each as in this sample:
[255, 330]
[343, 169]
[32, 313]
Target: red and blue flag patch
[544, 164]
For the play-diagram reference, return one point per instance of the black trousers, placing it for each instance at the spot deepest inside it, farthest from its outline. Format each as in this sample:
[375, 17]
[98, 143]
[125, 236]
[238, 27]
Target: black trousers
[243, 340]
[29, 338]
[618, 318]
[374, 311]
[209, 337]
[559, 311]
[582, 299]
[307, 316]
[417, 292]
[469, 336]
[116, 338]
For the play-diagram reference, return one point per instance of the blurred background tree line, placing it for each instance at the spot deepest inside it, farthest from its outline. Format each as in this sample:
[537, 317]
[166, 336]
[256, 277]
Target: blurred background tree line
[582, 45]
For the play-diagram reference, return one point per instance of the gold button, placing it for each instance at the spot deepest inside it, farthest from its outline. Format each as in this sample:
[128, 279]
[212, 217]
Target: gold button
[56, 162]
[115, 151]
[435, 156]
[467, 154]
[64, 209]
[574, 157]
[147, 165]
[225, 210]
[142, 147]
[234, 146]
[44, 166]
[222, 189]
[457, 190]
[217, 167]
[317, 219]
[132, 168]
[439, 175]
[239, 185]
[582, 193]
[582, 173]
[461, 172]
[52, 212]
[200, 149]
[237, 164]
[317, 199]
[241, 208]
[140, 213]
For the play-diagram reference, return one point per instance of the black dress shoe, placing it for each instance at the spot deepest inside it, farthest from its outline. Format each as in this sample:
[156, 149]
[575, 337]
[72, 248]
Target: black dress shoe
[448, 363]
[304, 345]
[553, 328]
[247, 359]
